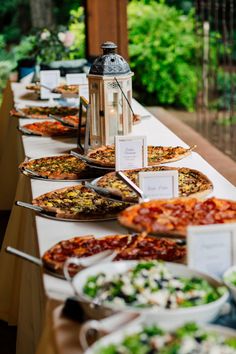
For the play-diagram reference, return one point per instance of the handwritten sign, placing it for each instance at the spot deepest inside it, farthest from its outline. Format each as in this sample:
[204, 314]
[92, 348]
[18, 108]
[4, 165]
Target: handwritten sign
[212, 248]
[131, 152]
[76, 79]
[159, 185]
[50, 79]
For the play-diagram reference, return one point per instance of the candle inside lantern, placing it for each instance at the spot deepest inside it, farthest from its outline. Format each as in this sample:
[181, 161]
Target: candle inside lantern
[113, 123]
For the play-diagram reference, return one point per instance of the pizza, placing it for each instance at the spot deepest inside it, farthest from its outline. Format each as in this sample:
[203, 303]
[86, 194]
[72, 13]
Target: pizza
[67, 89]
[57, 167]
[48, 128]
[191, 182]
[41, 112]
[173, 216]
[33, 87]
[78, 202]
[128, 247]
[105, 155]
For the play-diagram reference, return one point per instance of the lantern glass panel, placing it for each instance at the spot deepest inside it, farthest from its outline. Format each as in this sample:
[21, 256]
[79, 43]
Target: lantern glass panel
[95, 114]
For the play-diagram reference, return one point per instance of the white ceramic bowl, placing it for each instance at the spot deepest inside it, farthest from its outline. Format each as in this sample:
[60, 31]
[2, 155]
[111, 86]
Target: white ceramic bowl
[228, 284]
[200, 314]
[136, 325]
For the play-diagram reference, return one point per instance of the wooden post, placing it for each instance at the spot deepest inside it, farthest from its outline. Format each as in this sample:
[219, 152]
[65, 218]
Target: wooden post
[106, 20]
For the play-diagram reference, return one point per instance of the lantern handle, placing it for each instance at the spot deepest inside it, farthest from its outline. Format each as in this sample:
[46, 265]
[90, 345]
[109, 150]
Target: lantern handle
[124, 95]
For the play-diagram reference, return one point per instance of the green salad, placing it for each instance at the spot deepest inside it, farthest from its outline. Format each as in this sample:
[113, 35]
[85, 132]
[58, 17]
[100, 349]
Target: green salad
[231, 278]
[188, 339]
[151, 284]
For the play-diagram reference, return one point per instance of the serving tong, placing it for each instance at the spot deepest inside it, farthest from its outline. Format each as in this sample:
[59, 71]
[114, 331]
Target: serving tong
[104, 192]
[81, 263]
[89, 162]
[60, 120]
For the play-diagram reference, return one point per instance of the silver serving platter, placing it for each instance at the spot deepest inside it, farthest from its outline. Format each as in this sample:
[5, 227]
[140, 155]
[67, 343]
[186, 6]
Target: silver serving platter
[31, 174]
[41, 212]
[41, 178]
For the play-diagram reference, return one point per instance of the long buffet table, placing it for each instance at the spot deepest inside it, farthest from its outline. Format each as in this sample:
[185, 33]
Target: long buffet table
[28, 296]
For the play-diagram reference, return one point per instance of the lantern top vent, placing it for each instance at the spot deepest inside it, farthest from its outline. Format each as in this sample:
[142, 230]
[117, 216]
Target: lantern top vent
[109, 63]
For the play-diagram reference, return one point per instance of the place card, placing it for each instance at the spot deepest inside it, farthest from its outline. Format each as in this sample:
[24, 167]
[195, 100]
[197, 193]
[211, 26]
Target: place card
[159, 185]
[130, 151]
[50, 79]
[211, 248]
[76, 79]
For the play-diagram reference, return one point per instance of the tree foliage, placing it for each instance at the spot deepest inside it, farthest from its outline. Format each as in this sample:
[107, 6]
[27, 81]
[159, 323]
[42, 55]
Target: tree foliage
[162, 47]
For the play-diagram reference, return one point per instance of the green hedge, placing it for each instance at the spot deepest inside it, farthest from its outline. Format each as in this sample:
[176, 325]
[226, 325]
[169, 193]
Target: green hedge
[163, 47]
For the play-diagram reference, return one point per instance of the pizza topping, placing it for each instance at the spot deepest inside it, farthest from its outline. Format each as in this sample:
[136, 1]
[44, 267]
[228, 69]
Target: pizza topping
[128, 247]
[175, 215]
[190, 182]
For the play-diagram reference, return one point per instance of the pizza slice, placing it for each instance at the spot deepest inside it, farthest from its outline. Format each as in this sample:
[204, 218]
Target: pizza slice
[173, 216]
[67, 90]
[191, 182]
[78, 202]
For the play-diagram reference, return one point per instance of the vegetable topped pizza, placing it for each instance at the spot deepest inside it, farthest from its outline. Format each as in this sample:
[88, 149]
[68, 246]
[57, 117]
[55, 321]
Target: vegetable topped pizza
[173, 216]
[57, 167]
[41, 112]
[191, 182]
[78, 202]
[105, 155]
[48, 128]
[128, 247]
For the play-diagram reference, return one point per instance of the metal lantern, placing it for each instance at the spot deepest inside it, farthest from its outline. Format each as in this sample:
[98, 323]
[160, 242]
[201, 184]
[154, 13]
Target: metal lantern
[110, 95]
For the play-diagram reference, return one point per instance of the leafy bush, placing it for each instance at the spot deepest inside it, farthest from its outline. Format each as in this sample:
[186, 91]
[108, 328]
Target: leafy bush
[163, 47]
[77, 26]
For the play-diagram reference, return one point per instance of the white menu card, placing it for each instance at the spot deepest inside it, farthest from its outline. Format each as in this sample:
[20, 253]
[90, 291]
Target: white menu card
[159, 185]
[212, 248]
[131, 152]
[50, 79]
[76, 79]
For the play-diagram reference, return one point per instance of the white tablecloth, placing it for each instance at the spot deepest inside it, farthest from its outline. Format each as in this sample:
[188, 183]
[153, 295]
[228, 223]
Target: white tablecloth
[23, 287]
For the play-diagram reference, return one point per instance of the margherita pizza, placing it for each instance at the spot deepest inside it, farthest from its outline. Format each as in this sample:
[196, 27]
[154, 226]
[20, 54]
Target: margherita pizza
[48, 128]
[173, 216]
[40, 112]
[105, 155]
[128, 247]
[191, 182]
[57, 167]
[78, 202]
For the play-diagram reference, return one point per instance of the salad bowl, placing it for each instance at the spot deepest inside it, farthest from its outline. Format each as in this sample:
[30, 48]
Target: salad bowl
[97, 308]
[229, 278]
[146, 336]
